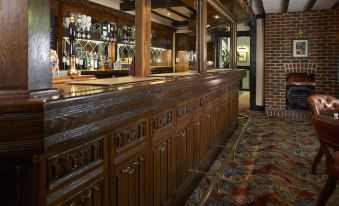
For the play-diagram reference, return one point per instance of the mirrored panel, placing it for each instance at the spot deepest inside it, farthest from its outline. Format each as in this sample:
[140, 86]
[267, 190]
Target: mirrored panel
[218, 40]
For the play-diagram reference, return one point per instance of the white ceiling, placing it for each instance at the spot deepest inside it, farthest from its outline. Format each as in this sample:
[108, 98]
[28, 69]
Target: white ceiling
[277, 6]
[297, 5]
[273, 6]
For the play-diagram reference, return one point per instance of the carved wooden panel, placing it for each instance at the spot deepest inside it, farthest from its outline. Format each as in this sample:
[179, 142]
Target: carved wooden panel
[74, 161]
[162, 120]
[130, 183]
[183, 110]
[90, 196]
[129, 135]
[197, 137]
[163, 171]
[184, 154]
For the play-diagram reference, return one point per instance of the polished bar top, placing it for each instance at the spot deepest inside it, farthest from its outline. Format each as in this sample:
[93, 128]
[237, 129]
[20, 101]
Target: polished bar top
[115, 81]
[91, 87]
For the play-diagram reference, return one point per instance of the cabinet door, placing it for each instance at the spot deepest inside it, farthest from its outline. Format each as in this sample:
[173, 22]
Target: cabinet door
[163, 171]
[130, 182]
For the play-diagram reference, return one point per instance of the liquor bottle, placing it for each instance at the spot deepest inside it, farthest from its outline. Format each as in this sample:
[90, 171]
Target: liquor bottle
[72, 35]
[84, 60]
[91, 61]
[95, 61]
[64, 60]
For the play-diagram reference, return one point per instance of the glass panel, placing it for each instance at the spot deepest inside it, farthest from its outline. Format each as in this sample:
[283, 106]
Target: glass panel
[243, 51]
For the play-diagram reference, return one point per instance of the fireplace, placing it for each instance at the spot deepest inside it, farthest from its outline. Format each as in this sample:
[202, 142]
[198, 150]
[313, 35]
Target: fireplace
[299, 86]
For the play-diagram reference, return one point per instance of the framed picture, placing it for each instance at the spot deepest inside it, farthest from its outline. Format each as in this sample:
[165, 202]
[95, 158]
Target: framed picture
[300, 48]
[242, 56]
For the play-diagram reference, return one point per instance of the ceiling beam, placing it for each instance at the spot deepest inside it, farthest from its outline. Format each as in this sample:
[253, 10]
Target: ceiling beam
[335, 5]
[219, 7]
[178, 13]
[155, 4]
[180, 23]
[310, 5]
[163, 16]
[189, 7]
[285, 6]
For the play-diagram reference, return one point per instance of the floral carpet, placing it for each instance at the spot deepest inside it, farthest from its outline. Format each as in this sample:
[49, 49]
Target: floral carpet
[270, 166]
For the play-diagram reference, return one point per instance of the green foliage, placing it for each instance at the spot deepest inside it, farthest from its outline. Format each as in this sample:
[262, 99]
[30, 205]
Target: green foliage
[226, 58]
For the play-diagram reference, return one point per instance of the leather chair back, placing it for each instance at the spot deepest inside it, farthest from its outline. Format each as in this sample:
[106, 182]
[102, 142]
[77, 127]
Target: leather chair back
[322, 104]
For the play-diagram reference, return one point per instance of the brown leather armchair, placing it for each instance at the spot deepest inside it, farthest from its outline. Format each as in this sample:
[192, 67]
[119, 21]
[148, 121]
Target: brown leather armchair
[322, 104]
[328, 133]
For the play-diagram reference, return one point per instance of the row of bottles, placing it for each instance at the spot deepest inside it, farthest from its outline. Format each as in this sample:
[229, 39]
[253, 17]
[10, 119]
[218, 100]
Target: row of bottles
[88, 61]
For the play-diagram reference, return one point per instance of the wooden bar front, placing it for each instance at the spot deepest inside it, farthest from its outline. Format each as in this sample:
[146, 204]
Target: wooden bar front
[131, 144]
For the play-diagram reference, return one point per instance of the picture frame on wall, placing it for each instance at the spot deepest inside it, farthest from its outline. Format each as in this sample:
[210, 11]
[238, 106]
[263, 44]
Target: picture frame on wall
[242, 56]
[300, 48]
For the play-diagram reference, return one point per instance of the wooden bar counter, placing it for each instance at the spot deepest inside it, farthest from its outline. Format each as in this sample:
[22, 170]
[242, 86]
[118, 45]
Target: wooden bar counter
[127, 144]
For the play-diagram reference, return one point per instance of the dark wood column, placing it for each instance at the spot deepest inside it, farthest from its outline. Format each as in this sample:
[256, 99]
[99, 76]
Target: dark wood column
[142, 37]
[201, 36]
[24, 45]
[234, 45]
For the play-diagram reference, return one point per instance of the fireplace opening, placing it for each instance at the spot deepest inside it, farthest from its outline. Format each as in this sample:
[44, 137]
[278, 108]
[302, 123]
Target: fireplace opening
[299, 86]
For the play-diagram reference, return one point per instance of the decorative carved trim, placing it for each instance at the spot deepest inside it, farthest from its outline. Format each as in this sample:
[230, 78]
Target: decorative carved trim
[162, 146]
[71, 162]
[183, 132]
[210, 97]
[129, 135]
[92, 194]
[183, 110]
[163, 120]
[132, 167]
[199, 103]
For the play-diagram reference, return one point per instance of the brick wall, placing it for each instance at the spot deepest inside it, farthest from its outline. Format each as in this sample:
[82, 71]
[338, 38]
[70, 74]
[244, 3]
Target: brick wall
[322, 31]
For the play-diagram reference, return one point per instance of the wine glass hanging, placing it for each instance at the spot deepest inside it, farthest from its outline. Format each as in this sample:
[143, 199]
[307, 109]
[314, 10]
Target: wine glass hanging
[82, 23]
[108, 31]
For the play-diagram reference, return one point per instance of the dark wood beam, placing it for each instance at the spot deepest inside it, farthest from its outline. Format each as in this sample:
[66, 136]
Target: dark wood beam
[189, 7]
[155, 4]
[335, 5]
[285, 6]
[163, 16]
[310, 5]
[180, 23]
[177, 13]
[261, 7]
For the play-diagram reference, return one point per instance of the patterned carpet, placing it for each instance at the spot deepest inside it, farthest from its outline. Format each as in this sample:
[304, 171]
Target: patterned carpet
[270, 166]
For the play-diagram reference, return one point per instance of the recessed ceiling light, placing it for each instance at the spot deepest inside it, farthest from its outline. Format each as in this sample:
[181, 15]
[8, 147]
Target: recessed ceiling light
[216, 16]
[168, 14]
